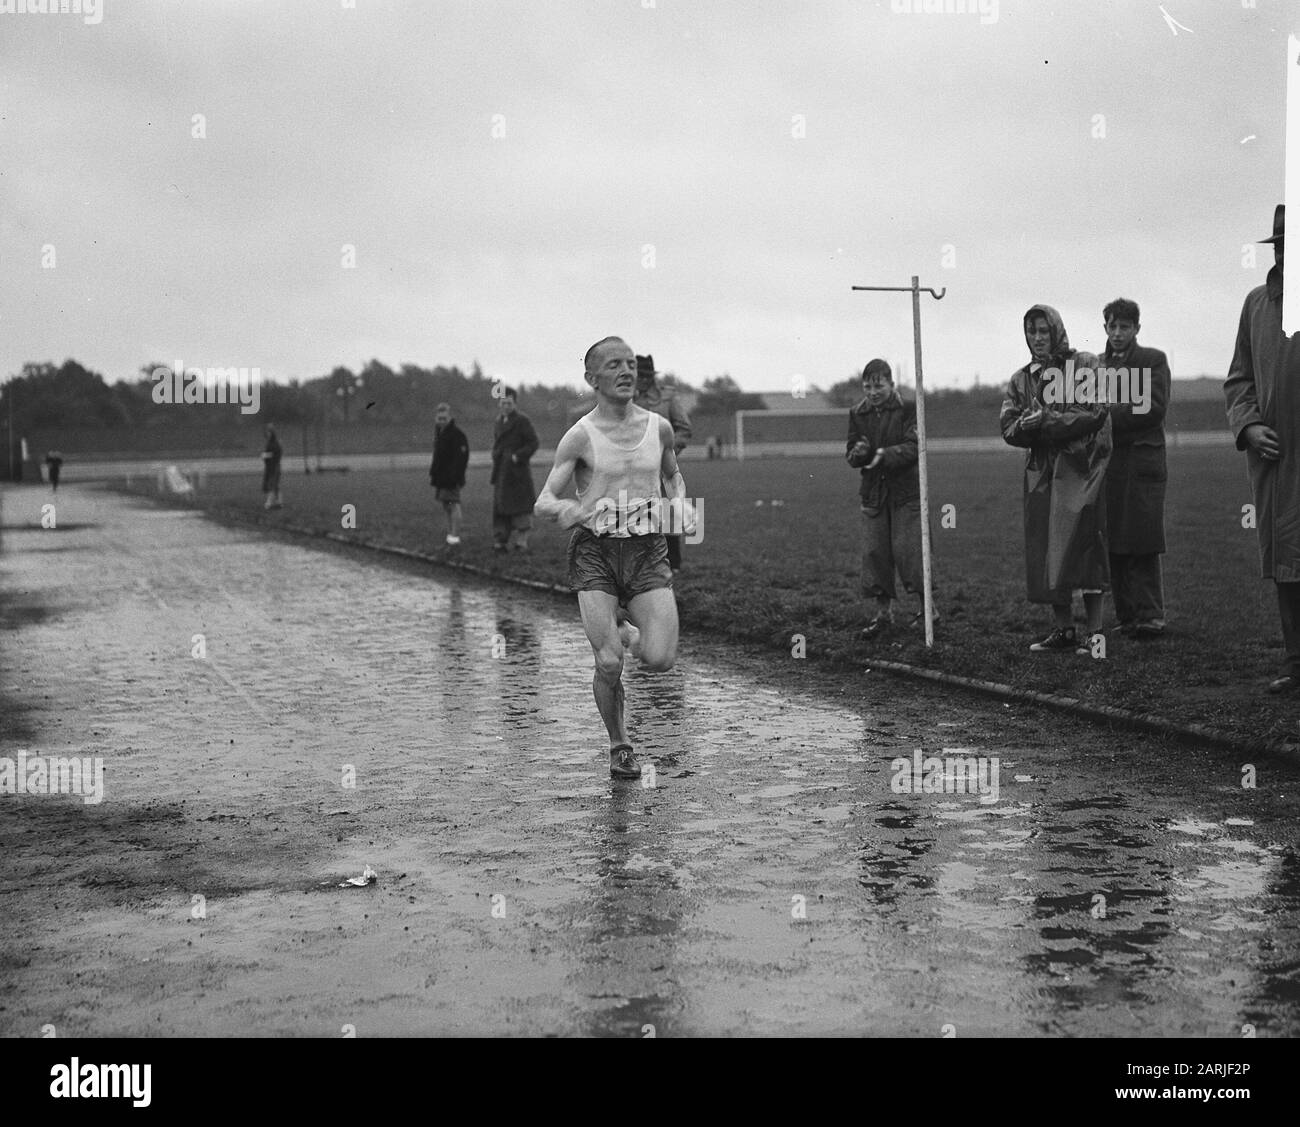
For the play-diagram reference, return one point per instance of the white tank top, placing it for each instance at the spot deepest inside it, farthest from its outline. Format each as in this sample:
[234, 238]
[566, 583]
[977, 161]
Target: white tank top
[624, 488]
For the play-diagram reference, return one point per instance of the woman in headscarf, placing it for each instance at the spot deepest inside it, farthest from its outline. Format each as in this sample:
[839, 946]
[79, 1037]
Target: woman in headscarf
[1051, 408]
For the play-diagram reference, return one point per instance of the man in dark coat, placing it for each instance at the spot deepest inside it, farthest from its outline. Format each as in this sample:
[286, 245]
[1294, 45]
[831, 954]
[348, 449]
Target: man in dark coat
[1263, 396]
[882, 444]
[447, 470]
[271, 469]
[1135, 476]
[53, 464]
[514, 442]
[652, 397]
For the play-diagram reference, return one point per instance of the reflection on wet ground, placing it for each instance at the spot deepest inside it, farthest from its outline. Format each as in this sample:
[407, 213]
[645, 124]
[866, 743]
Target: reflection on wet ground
[773, 880]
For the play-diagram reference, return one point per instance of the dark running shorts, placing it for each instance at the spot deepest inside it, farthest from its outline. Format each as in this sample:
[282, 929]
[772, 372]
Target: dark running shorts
[620, 566]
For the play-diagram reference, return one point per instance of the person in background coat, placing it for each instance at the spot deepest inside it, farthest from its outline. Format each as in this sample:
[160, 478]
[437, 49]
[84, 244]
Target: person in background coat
[1064, 485]
[447, 470]
[1135, 477]
[53, 464]
[651, 397]
[1263, 399]
[271, 469]
[513, 495]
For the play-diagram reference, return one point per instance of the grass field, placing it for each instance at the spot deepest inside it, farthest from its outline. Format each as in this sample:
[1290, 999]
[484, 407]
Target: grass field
[765, 573]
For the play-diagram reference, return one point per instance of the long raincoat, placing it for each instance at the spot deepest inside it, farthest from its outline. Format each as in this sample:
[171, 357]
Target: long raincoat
[514, 442]
[1065, 476]
[1263, 386]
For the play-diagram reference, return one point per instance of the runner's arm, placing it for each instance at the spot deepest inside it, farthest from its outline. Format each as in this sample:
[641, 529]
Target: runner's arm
[550, 505]
[682, 516]
[669, 473]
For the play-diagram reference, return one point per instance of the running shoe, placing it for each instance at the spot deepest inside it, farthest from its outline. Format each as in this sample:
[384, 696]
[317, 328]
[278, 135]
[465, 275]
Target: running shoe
[622, 762]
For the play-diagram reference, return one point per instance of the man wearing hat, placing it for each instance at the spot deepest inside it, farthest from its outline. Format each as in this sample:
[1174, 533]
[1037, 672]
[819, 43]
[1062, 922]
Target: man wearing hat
[1263, 394]
[651, 397]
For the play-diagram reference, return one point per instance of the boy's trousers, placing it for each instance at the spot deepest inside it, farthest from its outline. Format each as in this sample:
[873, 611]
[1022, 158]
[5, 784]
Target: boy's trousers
[891, 538]
[1138, 590]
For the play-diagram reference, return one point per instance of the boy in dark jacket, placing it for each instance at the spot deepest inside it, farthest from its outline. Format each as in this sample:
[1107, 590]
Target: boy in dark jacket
[1135, 477]
[882, 444]
[447, 470]
[513, 494]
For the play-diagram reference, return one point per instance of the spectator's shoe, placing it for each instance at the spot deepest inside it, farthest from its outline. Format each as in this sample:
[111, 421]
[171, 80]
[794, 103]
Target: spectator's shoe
[622, 762]
[452, 541]
[1085, 643]
[1128, 629]
[918, 619]
[1284, 684]
[877, 626]
[1058, 641]
[1149, 628]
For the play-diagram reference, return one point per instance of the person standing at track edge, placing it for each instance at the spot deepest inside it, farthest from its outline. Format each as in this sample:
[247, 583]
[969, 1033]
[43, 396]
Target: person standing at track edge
[620, 457]
[53, 464]
[514, 442]
[1135, 477]
[271, 469]
[1263, 398]
[650, 396]
[1064, 485]
[447, 470]
[882, 444]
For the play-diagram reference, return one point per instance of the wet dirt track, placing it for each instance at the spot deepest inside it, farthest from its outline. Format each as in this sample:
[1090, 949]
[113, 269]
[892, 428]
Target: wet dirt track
[521, 890]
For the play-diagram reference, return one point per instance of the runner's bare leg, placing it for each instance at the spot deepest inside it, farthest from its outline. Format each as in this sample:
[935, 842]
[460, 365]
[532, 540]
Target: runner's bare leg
[654, 613]
[599, 618]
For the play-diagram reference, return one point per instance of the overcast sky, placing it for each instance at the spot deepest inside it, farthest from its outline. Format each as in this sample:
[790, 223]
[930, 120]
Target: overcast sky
[628, 127]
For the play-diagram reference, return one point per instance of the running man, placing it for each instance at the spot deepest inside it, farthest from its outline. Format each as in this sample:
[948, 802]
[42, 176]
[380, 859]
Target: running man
[618, 454]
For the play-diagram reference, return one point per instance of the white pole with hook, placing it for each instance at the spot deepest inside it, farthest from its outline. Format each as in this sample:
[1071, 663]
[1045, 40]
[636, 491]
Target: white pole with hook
[922, 461]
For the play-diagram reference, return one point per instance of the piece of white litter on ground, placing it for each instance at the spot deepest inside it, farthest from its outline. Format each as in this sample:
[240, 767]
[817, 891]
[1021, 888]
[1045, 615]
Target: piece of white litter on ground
[367, 877]
[1024, 778]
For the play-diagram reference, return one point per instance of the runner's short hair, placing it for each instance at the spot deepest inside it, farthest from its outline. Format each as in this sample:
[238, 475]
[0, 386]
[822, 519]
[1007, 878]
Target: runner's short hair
[1121, 309]
[591, 352]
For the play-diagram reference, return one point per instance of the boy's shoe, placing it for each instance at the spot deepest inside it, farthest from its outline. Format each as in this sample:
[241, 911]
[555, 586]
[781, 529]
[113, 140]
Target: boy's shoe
[877, 626]
[1287, 683]
[1149, 628]
[1128, 629]
[918, 619]
[622, 762]
[498, 547]
[453, 540]
[1059, 640]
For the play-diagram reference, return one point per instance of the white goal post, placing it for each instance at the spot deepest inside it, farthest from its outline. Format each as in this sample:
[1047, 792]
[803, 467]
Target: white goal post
[796, 432]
